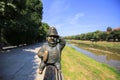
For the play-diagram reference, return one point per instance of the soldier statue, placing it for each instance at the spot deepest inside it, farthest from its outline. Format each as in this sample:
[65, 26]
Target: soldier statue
[50, 52]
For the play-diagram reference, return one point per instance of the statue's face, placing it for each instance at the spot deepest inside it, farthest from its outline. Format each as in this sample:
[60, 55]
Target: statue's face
[52, 40]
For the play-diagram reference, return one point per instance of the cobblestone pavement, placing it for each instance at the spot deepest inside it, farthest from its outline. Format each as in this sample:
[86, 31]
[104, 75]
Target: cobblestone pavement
[20, 63]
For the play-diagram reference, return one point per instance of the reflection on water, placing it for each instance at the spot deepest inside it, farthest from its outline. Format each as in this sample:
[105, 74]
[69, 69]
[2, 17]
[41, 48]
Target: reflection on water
[108, 55]
[107, 58]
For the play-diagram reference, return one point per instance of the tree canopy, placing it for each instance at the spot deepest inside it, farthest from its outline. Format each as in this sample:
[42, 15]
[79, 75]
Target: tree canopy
[98, 35]
[20, 21]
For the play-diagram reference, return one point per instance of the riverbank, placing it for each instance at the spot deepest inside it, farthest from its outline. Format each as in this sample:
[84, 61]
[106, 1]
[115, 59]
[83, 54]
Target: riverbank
[109, 47]
[77, 66]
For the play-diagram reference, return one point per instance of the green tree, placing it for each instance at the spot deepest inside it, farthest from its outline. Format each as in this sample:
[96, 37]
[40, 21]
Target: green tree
[115, 35]
[82, 36]
[89, 35]
[43, 31]
[23, 21]
[7, 15]
[103, 35]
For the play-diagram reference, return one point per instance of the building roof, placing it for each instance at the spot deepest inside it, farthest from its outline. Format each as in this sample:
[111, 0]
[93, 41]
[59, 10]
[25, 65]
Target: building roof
[118, 28]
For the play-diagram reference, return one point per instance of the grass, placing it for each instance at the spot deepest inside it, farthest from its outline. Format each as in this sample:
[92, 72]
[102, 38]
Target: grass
[77, 66]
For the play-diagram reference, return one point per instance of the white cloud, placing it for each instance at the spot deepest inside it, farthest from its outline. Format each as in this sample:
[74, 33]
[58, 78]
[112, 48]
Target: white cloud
[78, 15]
[57, 7]
[76, 18]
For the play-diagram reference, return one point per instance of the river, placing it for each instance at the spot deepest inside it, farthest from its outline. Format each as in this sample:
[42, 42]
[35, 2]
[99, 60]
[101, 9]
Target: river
[112, 60]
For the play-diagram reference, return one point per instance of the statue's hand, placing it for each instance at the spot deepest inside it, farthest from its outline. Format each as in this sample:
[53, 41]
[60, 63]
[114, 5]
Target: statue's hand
[45, 57]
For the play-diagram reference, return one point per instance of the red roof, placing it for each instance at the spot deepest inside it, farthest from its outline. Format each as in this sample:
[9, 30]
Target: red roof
[118, 28]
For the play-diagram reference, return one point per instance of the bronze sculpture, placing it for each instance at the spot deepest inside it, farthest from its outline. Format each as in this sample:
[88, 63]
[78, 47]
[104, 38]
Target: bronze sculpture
[50, 52]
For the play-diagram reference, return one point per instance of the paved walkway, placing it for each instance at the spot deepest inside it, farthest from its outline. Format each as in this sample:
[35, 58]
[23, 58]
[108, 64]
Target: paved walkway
[20, 63]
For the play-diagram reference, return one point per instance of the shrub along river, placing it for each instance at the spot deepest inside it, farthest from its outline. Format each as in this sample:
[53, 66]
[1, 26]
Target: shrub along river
[110, 59]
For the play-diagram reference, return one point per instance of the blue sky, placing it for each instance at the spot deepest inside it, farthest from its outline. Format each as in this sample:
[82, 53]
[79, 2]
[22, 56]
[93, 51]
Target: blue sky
[72, 17]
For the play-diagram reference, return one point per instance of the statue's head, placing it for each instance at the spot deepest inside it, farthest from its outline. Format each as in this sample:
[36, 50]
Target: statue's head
[52, 36]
